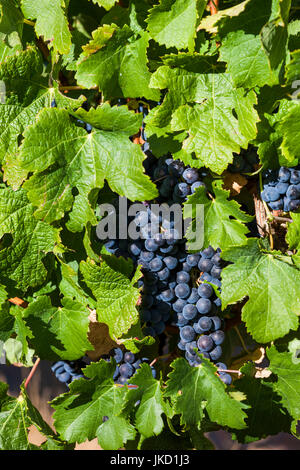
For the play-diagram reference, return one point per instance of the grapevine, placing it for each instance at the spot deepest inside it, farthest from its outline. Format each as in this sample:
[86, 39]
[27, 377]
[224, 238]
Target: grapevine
[150, 220]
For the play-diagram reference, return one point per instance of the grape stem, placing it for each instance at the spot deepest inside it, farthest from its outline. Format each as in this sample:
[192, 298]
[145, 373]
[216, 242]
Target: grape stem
[230, 371]
[282, 219]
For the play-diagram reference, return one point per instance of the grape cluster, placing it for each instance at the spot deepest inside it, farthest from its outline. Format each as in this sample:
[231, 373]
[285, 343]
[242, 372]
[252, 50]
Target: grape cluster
[67, 371]
[174, 180]
[127, 365]
[282, 189]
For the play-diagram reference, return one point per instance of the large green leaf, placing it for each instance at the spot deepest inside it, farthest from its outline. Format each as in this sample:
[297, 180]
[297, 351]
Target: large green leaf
[288, 379]
[245, 45]
[70, 157]
[115, 292]
[148, 419]
[273, 306]
[220, 122]
[290, 129]
[59, 332]
[11, 28]
[274, 34]
[79, 413]
[173, 22]
[194, 389]
[264, 403]
[22, 259]
[51, 22]
[223, 219]
[27, 94]
[116, 62]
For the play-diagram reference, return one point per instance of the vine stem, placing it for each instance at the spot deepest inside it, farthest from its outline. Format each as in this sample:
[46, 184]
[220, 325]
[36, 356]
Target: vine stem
[282, 219]
[31, 23]
[165, 356]
[230, 371]
[241, 340]
[32, 372]
[214, 6]
[74, 87]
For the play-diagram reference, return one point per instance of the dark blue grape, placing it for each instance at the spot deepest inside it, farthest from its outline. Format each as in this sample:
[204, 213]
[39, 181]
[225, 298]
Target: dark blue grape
[182, 290]
[187, 333]
[218, 337]
[189, 311]
[205, 323]
[205, 343]
[205, 290]
[203, 306]
[190, 175]
[182, 276]
[205, 265]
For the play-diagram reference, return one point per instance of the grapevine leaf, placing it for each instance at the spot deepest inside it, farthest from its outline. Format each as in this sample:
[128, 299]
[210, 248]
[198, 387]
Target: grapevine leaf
[59, 332]
[214, 132]
[11, 28]
[69, 285]
[293, 232]
[114, 119]
[127, 74]
[14, 424]
[82, 214]
[292, 69]
[35, 416]
[288, 379]
[22, 330]
[6, 322]
[80, 412]
[273, 307]
[115, 432]
[78, 159]
[51, 22]
[194, 389]
[148, 419]
[114, 291]
[290, 129]
[223, 219]
[16, 117]
[242, 47]
[209, 23]
[264, 402]
[32, 239]
[16, 415]
[274, 34]
[107, 4]
[173, 22]
[14, 353]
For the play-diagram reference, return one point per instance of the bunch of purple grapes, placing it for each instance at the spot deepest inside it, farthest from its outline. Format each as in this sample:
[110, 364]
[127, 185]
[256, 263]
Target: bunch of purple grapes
[282, 189]
[67, 371]
[126, 366]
